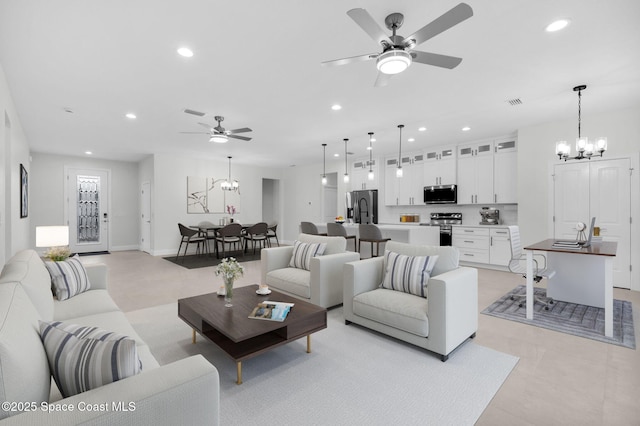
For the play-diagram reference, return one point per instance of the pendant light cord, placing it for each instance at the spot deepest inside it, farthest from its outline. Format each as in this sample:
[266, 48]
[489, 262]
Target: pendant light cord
[579, 111]
[400, 126]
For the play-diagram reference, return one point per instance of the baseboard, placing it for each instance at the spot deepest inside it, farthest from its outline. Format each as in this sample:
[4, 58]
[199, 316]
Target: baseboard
[124, 248]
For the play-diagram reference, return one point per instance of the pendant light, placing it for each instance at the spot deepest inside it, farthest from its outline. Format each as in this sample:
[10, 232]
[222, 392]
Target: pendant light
[370, 176]
[399, 169]
[229, 185]
[346, 171]
[324, 163]
[584, 147]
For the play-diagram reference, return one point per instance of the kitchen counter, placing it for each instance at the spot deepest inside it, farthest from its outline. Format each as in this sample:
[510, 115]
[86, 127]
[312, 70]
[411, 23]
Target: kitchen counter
[411, 233]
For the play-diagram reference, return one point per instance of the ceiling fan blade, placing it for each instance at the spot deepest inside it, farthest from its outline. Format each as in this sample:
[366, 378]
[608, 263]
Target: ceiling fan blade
[351, 59]
[444, 22]
[244, 138]
[435, 59]
[243, 130]
[194, 112]
[369, 25]
[382, 79]
[208, 126]
[195, 133]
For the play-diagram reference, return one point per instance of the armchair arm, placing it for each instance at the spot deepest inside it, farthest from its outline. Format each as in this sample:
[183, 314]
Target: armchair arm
[327, 277]
[453, 308]
[274, 258]
[359, 277]
[97, 273]
[183, 392]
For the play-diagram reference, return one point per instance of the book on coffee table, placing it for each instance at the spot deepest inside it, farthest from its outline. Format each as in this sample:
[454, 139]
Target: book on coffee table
[271, 311]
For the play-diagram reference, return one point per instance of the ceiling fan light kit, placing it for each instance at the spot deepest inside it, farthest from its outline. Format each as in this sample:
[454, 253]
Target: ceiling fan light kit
[219, 138]
[393, 61]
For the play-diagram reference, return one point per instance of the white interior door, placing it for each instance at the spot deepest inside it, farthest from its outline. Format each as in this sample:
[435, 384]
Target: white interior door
[87, 210]
[611, 205]
[571, 198]
[145, 217]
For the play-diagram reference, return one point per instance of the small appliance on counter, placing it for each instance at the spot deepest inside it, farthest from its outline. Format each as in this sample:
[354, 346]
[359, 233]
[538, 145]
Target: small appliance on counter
[409, 217]
[490, 216]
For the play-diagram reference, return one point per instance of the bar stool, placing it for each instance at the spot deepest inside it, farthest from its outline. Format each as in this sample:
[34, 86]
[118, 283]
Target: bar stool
[370, 233]
[338, 230]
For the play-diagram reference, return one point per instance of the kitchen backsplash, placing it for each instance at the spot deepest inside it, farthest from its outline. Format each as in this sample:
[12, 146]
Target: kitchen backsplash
[470, 213]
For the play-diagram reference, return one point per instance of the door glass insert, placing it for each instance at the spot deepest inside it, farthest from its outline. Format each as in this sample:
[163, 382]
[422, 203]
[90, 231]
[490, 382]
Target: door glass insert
[88, 188]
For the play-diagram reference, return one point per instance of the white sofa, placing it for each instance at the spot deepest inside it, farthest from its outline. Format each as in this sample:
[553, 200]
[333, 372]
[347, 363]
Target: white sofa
[321, 284]
[439, 323]
[183, 392]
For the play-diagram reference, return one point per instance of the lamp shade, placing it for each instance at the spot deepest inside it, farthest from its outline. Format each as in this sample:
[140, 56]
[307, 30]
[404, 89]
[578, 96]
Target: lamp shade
[219, 138]
[52, 236]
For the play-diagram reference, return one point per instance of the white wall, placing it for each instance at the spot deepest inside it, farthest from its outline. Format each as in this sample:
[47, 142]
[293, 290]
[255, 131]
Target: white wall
[169, 195]
[47, 192]
[14, 151]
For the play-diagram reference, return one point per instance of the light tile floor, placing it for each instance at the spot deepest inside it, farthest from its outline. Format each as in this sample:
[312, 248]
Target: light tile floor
[559, 380]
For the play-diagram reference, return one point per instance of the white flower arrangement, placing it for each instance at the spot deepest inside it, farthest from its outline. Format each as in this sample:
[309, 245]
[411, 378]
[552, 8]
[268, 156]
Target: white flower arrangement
[229, 268]
[57, 254]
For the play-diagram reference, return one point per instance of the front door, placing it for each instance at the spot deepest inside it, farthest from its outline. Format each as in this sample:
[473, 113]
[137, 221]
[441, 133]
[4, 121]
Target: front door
[87, 209]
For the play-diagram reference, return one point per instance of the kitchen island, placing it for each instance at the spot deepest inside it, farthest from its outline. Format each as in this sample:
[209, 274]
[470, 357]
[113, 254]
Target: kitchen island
[404, 233]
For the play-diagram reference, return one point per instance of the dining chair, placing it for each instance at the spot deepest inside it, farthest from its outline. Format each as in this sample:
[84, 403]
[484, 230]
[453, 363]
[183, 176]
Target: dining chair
[189, 236]
[309, 228]
[370, 233]
[208, 232]
[273, 233]
[230, 234]
[338, 230]
[257, 234]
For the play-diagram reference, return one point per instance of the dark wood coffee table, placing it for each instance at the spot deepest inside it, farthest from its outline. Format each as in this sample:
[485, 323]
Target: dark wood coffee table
[241, 337]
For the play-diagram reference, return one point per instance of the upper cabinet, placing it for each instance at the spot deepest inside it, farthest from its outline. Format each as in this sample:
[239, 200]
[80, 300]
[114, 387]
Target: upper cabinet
[405, 190]
[360, 174]
[487, 172]
[440, 166]
[475, 173]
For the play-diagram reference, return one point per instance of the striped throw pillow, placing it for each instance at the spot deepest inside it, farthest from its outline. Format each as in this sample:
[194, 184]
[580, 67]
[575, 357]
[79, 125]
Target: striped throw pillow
[303, 252]
[409, 274]
[68, 278]
[83, 358]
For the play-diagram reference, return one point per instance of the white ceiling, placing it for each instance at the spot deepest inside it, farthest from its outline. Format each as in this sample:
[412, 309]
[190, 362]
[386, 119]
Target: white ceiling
[257, 63]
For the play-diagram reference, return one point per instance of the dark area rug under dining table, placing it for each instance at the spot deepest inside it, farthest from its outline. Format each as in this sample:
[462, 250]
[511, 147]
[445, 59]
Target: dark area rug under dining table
[194, 261]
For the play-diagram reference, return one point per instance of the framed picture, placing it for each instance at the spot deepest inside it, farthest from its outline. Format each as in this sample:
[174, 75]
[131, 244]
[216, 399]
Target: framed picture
[24, 192]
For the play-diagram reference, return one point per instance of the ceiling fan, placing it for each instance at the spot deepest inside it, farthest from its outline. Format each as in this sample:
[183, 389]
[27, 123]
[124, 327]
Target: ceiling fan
[218, 133]
[397, 51]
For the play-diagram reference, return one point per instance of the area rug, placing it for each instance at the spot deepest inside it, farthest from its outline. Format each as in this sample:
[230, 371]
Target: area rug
[570, 318]
[193, 261]
[353, 376]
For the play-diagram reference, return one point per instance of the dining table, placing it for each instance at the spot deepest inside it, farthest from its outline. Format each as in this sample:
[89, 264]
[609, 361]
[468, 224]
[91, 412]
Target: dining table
[204, 232]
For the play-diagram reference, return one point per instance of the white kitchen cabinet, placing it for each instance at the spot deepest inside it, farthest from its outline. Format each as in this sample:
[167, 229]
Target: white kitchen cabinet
[499, 246]
[391, 182]
[411, 184]
[360, 174]
[440, 166]
[505, 171]
[475, 173]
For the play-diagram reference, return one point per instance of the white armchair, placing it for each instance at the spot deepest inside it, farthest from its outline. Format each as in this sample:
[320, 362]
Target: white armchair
[439, 323]
[321, 284]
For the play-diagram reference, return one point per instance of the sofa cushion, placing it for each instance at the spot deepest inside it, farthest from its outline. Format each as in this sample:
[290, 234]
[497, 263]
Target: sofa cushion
[293, 280]
[303, 252]
[68, 277]
[84, 358]
[24, 370]
[88, 303]
[26, 268]
[403, 311]
[448, 256]
[409, 274]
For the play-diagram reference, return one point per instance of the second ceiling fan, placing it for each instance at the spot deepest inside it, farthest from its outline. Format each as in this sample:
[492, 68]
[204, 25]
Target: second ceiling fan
[398, 52]
[218, 133]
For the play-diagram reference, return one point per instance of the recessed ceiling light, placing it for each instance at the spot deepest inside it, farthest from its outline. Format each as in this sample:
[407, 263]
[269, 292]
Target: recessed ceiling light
[557, 25]
[411, 140]
[336, 155]
[373, 139]
[185, 51]
[130, 115]
[88, 152]
[466, 128]
[422, 129]
[336, 107]
[369, 148]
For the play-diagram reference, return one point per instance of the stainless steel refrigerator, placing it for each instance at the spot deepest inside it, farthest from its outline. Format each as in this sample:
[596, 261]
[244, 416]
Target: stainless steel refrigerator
[364, 206]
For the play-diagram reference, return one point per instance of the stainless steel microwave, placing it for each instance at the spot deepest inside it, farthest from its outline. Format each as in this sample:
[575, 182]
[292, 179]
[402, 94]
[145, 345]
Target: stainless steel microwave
[441, 194]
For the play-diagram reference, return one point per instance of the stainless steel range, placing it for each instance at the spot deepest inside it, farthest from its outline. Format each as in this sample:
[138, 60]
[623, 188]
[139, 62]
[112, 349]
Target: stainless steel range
[445, 221]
